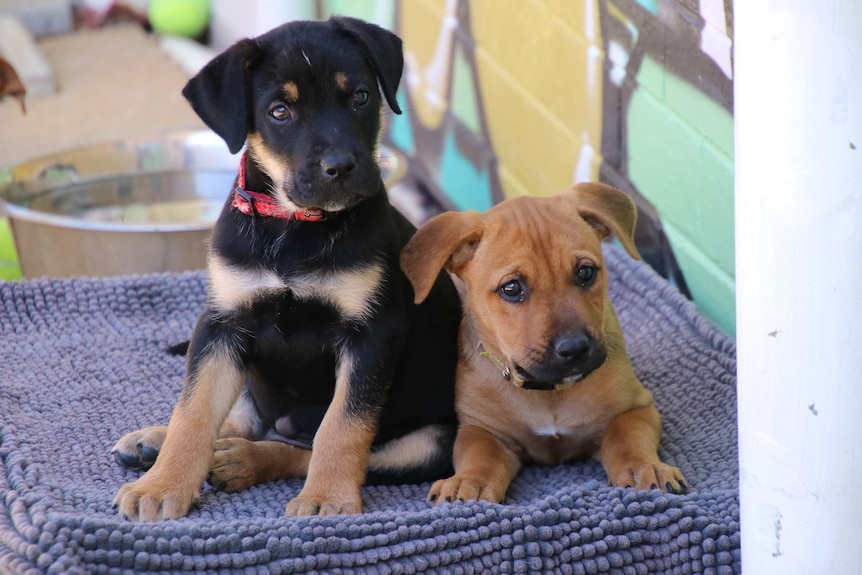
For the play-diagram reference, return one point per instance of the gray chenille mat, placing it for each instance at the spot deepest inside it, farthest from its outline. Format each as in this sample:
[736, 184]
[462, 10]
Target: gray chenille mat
[82, 362]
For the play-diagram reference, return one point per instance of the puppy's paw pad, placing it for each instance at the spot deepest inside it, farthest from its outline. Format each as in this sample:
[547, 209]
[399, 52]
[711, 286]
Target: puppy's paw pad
[463, 488]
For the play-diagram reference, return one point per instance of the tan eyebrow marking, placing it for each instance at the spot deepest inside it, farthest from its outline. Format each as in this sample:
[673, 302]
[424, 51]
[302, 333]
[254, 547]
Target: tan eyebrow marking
[292, 91]
[341, 80]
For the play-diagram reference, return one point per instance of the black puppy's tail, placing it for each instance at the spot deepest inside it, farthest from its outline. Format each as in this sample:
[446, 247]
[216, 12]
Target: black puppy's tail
[179, 348]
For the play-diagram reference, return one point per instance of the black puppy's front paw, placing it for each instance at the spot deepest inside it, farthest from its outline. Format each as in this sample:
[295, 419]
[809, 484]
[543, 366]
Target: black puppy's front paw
[138, 450]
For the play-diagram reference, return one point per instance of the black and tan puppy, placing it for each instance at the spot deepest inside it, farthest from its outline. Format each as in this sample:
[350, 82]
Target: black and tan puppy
[543, 375]
[310, 358]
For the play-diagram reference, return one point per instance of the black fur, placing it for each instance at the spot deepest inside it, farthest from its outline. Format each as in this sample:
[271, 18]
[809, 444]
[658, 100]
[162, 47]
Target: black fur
[288, 346]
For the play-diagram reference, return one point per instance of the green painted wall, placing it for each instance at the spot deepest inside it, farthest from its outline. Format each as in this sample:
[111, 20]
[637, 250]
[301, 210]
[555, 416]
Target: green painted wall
[681, 159]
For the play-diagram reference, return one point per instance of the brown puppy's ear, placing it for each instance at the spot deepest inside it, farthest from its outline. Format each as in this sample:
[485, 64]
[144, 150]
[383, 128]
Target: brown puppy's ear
[218, 93]
[608, 210]
[447, 240]
[383, 50]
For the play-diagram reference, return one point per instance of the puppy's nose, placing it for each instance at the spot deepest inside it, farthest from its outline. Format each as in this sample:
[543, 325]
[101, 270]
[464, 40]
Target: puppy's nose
[571, 348]
[337, 165]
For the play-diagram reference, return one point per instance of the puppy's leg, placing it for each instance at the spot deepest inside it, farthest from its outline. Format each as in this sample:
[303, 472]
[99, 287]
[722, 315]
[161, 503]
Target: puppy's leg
[342, 444]
[629, 453]
[484, 468]
[139, 449]
[239, 463]
[171, 486]
[418, 456]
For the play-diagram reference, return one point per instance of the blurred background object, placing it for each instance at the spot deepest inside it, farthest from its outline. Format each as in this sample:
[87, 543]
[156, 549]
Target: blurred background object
[502, 98]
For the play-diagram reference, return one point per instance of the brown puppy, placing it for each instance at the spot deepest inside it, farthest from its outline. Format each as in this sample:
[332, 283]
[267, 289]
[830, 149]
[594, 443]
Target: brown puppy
[543, 375]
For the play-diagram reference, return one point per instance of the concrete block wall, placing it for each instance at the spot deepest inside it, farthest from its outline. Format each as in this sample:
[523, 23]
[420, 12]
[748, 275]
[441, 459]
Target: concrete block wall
[512, 97]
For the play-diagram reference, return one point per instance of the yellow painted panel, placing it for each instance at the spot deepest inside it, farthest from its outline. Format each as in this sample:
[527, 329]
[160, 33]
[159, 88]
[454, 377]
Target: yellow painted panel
[427, 57]
[582, 16]
[541, 84]
[535, 146]
[511, 186]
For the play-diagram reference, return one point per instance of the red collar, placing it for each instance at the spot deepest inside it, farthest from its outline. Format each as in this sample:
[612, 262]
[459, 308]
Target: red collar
[257, 204]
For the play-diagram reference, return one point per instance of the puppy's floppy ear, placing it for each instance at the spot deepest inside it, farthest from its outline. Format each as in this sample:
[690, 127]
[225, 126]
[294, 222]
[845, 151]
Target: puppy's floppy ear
[219, 93]
[383, 50]
[447, 240]
[608, 210]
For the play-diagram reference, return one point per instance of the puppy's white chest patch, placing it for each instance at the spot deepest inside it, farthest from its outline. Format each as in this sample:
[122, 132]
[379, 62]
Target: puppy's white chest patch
[231, 286]
[551, 431]
[353, 292]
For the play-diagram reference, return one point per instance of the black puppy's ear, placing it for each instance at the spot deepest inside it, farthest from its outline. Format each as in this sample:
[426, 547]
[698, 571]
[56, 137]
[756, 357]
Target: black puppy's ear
[218, 93]
[383, 49]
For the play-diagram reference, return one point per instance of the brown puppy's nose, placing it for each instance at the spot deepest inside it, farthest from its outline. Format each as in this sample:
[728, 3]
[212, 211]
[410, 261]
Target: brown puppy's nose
[337, 165]
[571, 348]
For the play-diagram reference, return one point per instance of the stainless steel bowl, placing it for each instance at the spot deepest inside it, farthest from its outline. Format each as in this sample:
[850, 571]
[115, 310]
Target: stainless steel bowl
[121, 208]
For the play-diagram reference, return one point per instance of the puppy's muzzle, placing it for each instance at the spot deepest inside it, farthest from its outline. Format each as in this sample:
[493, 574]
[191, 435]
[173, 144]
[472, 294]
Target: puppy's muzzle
[337, 165]
[569, 358]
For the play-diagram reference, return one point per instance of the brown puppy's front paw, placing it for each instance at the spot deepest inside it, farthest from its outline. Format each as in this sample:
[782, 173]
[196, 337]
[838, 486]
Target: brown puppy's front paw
[234, 465]
[139, 449]
[647, 476]
[462, 487]
[304, 505]
[150, 500]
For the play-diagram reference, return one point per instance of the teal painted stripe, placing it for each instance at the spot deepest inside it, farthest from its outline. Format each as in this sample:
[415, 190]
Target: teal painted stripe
[467, 187]
[400, 129]
[651, 5]
[713, 289]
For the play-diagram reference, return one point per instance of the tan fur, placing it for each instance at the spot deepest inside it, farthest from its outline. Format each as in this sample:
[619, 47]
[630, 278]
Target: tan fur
[353, 292]
[291, 90]
[232, 287]
[609, 414]
[339, 457]
[241, 419]
[275, 167]
[341, 81]
[184, 459]
[407, 450]
[239, 464]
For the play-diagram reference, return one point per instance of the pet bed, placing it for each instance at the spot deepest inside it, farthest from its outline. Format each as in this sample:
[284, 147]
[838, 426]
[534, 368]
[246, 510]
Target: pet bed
[82, 362]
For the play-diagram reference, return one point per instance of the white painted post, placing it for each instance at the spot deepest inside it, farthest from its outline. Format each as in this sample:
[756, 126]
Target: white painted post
[798, 116]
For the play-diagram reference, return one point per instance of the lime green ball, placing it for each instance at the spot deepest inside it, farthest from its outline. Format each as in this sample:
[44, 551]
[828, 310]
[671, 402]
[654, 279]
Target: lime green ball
[179, 17]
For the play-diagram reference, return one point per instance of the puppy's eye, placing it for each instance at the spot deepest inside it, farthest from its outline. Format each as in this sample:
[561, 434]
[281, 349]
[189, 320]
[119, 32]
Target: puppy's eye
[513, 291]
[280, 112]
[585, 275]
[360, 98]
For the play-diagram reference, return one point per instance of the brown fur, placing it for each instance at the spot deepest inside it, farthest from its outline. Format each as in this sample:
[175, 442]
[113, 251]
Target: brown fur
[341, 81]
[291, 90]
[542, 242]
[194, 427]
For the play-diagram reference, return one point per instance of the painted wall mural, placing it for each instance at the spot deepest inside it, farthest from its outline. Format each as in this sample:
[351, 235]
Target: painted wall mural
[511, 97]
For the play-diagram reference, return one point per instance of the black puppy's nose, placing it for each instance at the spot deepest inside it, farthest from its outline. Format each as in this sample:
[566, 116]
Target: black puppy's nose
[337, 165]
[571, 348]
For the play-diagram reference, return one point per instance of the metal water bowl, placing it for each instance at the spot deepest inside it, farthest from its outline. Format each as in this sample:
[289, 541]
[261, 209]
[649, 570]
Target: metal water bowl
[129, 207]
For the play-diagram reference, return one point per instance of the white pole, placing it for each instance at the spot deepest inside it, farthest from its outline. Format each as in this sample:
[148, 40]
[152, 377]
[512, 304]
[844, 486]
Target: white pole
[798, 116]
